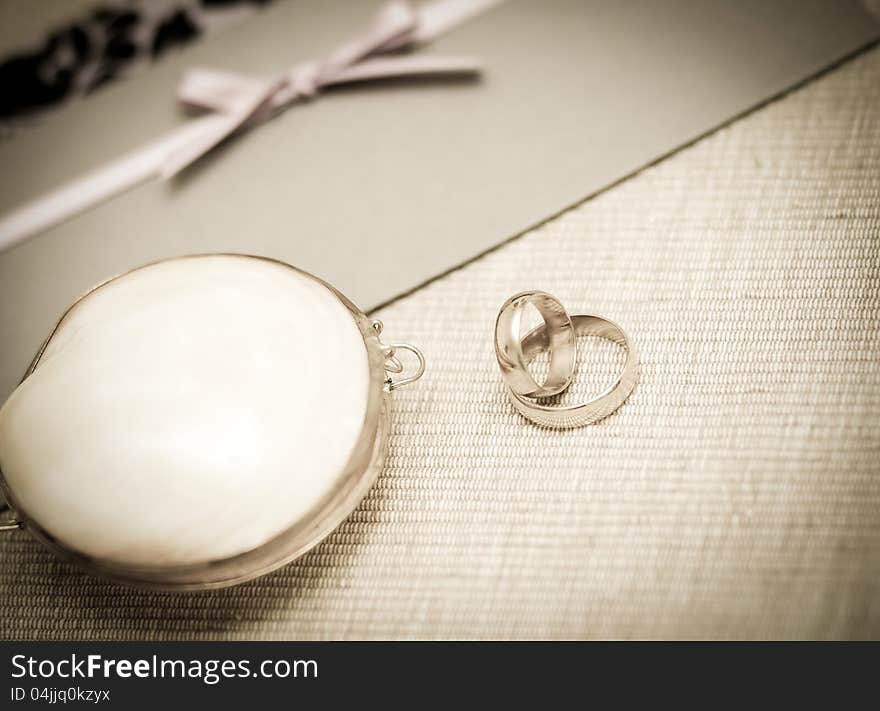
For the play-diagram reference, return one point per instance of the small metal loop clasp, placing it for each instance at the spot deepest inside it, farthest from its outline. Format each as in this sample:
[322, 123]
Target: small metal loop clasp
[8, 524]
[393, 364]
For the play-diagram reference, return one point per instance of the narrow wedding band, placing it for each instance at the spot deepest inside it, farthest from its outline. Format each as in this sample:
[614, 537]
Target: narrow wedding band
[561, 343]
[559, 416]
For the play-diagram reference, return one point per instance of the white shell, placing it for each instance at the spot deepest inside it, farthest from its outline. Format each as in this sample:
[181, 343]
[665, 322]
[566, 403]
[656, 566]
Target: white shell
[188, 412]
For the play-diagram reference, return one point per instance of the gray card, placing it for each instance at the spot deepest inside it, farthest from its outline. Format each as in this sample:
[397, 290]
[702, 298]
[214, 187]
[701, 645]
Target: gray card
[379, 188]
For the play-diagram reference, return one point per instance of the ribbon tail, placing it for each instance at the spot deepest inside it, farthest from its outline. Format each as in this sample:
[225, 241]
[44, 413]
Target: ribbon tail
[219, 91]
[391, 67]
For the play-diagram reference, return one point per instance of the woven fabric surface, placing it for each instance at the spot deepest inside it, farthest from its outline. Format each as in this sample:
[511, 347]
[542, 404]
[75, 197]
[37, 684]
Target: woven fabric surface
[735, 495]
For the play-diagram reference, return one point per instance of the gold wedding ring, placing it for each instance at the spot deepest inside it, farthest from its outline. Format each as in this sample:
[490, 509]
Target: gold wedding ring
[560, 342]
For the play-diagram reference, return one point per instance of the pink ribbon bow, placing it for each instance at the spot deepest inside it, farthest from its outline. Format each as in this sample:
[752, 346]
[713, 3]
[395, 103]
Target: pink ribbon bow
[236, 102]
[242, 101]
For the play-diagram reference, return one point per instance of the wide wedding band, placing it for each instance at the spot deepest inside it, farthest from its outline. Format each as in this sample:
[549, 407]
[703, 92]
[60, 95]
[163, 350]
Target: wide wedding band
[564, 416]
[560, 341]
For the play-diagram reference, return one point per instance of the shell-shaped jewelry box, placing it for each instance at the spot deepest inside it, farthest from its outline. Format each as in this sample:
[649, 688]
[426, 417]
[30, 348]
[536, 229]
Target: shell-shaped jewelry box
[198, 422]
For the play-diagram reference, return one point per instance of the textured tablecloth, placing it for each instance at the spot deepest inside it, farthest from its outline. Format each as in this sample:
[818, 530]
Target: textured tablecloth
[735, 495]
